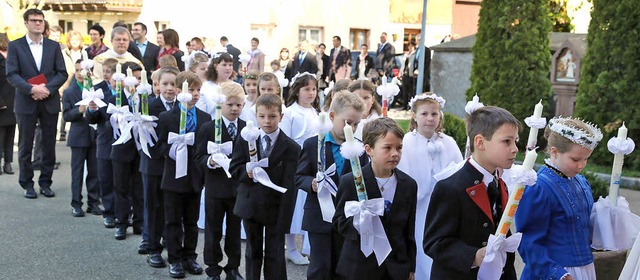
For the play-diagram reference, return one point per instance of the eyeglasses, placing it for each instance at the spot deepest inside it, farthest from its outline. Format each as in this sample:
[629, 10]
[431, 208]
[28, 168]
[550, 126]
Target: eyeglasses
[36, 20]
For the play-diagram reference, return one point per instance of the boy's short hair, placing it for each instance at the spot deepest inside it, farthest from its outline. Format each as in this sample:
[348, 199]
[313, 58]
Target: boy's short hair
[165, 70]
[343, 100]
[110, 63]
[275, 62]
[168, 60]
[232, 90]
[486, 120]
[190, 77]
[379, 128]
[155, 76]
[269, 101]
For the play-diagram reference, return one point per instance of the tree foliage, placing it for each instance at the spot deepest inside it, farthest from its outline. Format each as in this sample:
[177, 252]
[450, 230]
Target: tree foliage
[511, 56]
[610, 74]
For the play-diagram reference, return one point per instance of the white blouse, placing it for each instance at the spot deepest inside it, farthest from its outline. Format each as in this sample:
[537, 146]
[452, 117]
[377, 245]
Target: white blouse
[297, 122]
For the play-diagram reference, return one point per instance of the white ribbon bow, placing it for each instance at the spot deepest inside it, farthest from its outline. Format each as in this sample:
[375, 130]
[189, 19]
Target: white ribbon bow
[219, 154]
[518, 175]
[620, 146]
[179, 151]
[261, 176]
[496, 255]
[92, 95]
[119, 118]
[366, 219]
[532, 122]
[326, 189]
[473, 105]
[244, 59]
[144, 131]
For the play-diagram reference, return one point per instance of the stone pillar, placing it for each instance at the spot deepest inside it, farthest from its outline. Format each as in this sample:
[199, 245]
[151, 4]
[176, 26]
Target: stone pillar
[565, 97]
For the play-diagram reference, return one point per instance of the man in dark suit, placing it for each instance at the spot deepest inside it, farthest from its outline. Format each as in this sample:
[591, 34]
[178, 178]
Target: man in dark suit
[340, 60]
[233, 51]
[133, 48]
[326, 65]
[148, 50]
[35, 67]
[385, 57]
[304, 61]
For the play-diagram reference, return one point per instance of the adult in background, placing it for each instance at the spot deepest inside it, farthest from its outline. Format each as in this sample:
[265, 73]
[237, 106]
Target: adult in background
[364, 64]
[257, 57]
[120, 38]
[55, 33]
[233, 51]
[324, 66]
[172, 47]
[133, 49]
[304, 60]
[36, 69]
[7, 117]
[197, 45]
[148, 50]
[341, 60]
[96, 33]
[385, 60]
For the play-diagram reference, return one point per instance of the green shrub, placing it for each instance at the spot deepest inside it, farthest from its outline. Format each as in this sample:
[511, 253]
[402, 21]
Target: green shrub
[599, 187]
[455, 127]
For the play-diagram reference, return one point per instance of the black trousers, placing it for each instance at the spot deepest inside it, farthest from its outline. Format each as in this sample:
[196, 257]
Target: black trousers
[7, 136]
[78, 157]
[181, 211]
[26, 131]
[325, 252]
[105, 180]
[128, 182]
[154, 207]
[216, 209]
[274, 263]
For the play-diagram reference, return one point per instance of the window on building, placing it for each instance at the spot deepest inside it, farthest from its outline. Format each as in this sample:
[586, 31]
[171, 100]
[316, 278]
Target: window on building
[89, 24]
[358, 37]
[313, 35]
[410, 35]
[161, 25]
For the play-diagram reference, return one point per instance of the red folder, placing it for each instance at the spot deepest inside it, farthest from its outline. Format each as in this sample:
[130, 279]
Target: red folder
[40, 79]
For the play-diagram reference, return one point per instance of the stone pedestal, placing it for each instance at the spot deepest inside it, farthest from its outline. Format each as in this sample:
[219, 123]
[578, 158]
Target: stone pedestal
[565, 98]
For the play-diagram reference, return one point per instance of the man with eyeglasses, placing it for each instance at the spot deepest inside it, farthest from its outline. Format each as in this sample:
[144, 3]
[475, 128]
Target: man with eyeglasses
[35, 67]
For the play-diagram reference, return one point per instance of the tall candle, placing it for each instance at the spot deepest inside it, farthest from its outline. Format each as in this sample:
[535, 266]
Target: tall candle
[118, 68]
[144, 95]
[356, 170]
[129, 72]
[533, 132]
[616, 171]
[143, 75]
[348, 132]
[253, 151]
[218, 121]
[322, 118]
[84, 55]
[183, 110]
[118, 87]
[514, 197]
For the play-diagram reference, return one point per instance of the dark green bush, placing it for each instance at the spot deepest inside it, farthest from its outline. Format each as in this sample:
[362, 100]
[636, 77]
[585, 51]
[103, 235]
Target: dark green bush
[599, 187]
[455, 127]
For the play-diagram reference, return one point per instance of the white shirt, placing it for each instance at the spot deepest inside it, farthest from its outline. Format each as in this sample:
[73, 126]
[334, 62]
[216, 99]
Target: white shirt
[272, 135]
[388, 187]
[235, 122]
[164, 102]
[36, 50]
[487, 176]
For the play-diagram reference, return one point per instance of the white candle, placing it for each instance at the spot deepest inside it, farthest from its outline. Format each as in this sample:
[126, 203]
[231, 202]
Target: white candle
[85, 57]
[533, 132]
[529, 160]
[118, 68]
[185, 87]
[348, 132]
[322, 117]
[475, 98]
[622, 132]
[514, 197]
[143, 74]
[616, 171]
[129, 72]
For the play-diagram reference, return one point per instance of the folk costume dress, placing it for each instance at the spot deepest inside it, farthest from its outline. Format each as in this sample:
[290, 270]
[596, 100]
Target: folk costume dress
[422, 159]
[553, 217]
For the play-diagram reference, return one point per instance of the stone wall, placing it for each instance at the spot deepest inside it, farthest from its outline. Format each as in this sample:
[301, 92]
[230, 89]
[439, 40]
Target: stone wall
[450, 72]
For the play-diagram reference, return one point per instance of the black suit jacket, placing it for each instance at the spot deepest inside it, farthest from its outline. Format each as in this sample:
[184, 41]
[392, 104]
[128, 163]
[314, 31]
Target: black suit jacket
[150, 58]
[326, 66]
[343, 58]
[309, 64]
[21, 66]
[235, 52]
[216, 181]
[459, 222]
[385, 59]
[399, 227]
[368, 63]
[7, 96]
[154, 165]
[135, 51]
[307, 168]
[126, 152]
[257, 202]
[170, 122]
[105, 131]
[80, 135]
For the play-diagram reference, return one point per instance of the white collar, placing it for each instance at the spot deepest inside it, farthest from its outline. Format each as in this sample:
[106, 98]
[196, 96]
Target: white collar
[272, 135]
[29, 41]
[487, 176]
[145, 42]
[164, 101]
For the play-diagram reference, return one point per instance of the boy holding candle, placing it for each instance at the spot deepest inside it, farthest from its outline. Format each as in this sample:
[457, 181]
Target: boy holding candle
[466, 207]
[383, 144]
[220, 190]
[182, 195]
[151, 169]
[346, 109]
[266, 212]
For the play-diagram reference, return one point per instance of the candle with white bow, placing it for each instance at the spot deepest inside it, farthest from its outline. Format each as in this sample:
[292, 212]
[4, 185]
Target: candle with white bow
[118, 78]
[353, 150]
[387, 91]
[218, 98]
[183, 109]
[619, 146]
[322, 119]
[526, 176]
[130, 83]
[144, 93]
[244, 59]
[533, 132]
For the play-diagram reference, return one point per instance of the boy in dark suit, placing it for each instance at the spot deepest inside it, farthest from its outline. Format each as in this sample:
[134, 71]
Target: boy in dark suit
[182, 195]
[151, 169]
[104, 140]
[383, 144]
[466, 207]
[267, 213]
[82, 141]
[346, 107]
[220, 190]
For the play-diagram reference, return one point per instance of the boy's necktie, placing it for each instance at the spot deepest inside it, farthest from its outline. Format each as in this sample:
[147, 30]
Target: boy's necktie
[267, 146]
[494, 200]
[232, 130]
[191, 122]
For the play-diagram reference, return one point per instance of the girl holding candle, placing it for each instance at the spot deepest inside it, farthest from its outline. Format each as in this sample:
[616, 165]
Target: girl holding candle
[434, 150]
[553, 215]
[372, 109]
[383, 144]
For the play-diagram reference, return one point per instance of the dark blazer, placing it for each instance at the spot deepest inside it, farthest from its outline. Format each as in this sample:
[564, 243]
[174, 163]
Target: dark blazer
[368, 63]
[307, 168]
[7, 96]
[385, 59]
[459, 222]
[343, 58]
[178, 56]
[21, 66]
[133, 49]
[126, 152]
[257, 202]
[309, 64]
[80, 134]
[105, 131]
[235, 52]
[215, 180]
[150, 58]
[169, 121]
[399, 226]
[326, 66]
[155, 164]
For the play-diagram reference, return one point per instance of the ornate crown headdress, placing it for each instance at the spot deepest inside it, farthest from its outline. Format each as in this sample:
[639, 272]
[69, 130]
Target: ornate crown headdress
[588, 138]
[435, 97]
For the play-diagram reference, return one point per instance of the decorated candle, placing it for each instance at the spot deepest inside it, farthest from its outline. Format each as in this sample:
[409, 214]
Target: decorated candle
[515, 195]
[183, 110]
[616, 170]
[533, 132]
[118, 86]
[253, 151]
[322, 118]
[85, 57]
[355, 164]
[218, 120]
[144, 94]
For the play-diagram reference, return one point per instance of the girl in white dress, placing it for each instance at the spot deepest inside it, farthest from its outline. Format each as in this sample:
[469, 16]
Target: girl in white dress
[303, 107]
[198, 63]
[251, 94]
[430, 151]
[267, 84]
[372, 108]
[219, 71]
